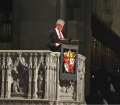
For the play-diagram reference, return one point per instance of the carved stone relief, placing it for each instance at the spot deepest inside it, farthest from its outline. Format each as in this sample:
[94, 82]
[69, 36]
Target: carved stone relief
[19, 81]
[16, 76]
[66, 89]
[41, 77]
[80, 76]
[36, 75]
[41, 84]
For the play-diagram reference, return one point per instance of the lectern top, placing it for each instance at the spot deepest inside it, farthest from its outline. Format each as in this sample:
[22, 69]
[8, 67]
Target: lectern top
[68, 41]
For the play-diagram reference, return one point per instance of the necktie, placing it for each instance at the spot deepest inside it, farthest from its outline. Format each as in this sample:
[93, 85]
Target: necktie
[60, 35]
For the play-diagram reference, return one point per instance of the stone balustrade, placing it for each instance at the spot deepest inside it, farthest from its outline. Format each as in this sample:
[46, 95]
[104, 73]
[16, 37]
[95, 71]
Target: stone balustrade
[34, 75]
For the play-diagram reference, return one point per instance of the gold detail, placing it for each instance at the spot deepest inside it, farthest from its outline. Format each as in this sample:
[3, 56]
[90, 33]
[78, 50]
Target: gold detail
[69, 54]
[72, 71]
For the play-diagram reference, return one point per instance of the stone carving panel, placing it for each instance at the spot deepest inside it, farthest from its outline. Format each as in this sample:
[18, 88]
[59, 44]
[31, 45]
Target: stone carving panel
[66, 89]
[23, 102]
[19, 78]
[35, 75]
[41, 83]
[15, 75]
[39, 76]
[69, 103]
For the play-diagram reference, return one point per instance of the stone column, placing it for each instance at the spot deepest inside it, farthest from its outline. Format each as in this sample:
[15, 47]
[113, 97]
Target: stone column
[55, 82]
[16, 24]
[50, 79]
[52, 83]
[8, 76]
[83, 83]
[87, 43]
[75, 25]
[2, 84]
[3, 76]
[63, 13]
[57, 77]
[35, 71]
[8, 84]
[80, 78]
[30, 76]
[47, 74]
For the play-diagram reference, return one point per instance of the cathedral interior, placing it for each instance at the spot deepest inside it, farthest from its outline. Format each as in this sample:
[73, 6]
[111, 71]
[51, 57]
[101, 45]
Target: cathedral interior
[24, 25]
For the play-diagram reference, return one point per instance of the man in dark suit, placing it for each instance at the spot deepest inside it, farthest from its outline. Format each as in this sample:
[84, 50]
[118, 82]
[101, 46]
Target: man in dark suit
[55, 35]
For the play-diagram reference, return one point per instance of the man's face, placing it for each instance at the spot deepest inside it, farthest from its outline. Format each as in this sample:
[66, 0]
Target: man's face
[60, 26]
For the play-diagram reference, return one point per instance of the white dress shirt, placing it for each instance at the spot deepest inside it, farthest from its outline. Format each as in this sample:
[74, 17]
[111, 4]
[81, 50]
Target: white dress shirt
[58, 33]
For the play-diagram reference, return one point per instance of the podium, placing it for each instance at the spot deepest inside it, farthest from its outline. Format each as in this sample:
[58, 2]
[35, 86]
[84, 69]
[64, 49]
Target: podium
[69, 59]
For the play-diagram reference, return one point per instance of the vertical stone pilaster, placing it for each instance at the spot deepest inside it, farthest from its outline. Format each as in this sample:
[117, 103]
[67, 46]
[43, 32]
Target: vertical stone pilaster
[30, 76]
[53, 78]
[6, 82]
[46, 87]
[35, 71]
[57, 76]
[3, 76]
[3, 83]
[52, 83]
[63, 8]
[83, 83]
[8, 76]
[50, 79]
[87, 43]
[29, 87]
[77, 86]
[47, 66]
[55, 84]
[80, 78]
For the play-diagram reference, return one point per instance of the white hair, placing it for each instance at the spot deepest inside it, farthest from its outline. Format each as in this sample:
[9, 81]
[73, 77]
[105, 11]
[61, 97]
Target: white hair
[60, 21]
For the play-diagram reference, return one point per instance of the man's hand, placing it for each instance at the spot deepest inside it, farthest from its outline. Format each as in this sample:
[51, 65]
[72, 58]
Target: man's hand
[57, 44]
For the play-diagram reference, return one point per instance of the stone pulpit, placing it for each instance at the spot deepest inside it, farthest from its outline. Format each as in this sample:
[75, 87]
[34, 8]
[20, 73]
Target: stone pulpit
[33, 77]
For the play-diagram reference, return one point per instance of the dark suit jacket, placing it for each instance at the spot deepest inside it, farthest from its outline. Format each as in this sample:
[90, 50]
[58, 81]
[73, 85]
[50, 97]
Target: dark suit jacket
[53, 38]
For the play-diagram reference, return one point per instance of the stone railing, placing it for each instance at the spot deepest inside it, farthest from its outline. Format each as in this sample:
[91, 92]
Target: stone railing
[33, 76]
[24, 102]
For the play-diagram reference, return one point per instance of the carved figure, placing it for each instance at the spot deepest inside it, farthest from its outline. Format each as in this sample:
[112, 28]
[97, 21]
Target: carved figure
[41, 81]
[64, 89]
[70, 88]
[16, 87]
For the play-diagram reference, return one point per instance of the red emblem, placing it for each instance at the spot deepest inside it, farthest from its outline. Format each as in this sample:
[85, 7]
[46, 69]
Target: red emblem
[69, 61]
